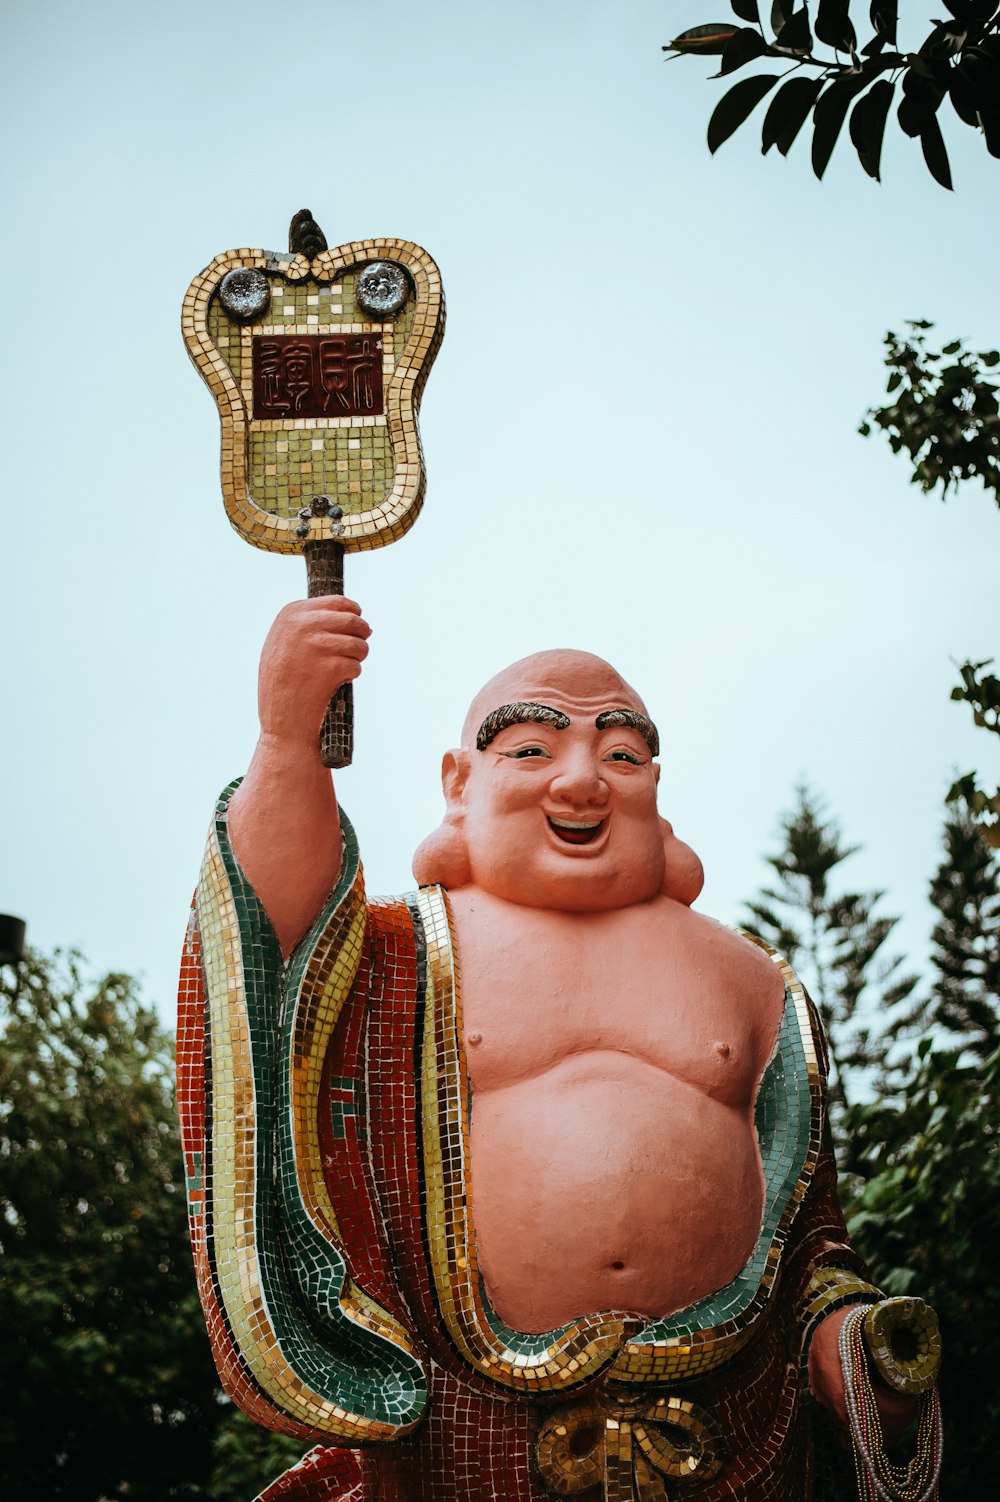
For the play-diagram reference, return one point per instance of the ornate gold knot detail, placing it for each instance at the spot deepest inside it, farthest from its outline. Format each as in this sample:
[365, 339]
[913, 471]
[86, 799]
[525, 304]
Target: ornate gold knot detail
[629, 1449]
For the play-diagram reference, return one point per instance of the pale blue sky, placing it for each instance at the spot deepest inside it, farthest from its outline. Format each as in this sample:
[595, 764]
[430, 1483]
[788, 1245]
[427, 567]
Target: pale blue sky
[639, 436]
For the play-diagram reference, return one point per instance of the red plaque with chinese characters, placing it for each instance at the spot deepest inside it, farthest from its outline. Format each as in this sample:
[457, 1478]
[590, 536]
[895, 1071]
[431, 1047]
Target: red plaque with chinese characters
[317, 375]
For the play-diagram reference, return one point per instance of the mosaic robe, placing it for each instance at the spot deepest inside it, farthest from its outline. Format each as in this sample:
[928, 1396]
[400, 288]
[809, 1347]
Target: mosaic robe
[325, 1113]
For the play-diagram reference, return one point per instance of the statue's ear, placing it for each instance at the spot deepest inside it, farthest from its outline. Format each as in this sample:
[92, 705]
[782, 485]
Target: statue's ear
[454, 775]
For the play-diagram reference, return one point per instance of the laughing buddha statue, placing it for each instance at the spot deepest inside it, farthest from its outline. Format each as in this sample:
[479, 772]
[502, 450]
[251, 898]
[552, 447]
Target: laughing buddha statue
[517, 1186]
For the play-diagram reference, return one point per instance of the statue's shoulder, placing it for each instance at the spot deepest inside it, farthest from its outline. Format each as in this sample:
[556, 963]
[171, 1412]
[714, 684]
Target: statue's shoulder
[726, 956]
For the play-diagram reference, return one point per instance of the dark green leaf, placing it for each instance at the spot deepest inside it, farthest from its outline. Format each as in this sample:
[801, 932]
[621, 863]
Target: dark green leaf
[734, 107]
[780, 12]
[884, 16]
[833, 25]
[960, 103]
[936, 38]
[974, 81]
[929, 87]
[709, 40]
[787, 113]
[868, 125]
[795, 35]
[911, 117]
[919, 67]
[979, 71]
[743, 47]
[828, 119]
[746, 10]
[935, 155]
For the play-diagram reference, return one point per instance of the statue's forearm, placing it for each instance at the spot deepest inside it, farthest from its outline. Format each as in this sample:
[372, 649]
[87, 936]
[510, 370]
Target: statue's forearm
[285, 832]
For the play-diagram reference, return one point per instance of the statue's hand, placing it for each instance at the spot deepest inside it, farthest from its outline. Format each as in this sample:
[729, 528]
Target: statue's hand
[283, 818]
[313, 648]
[826, 1379]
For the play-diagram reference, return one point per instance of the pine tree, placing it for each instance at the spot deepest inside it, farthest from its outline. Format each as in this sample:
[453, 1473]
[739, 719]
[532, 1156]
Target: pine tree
[835, 942]
[966, 938]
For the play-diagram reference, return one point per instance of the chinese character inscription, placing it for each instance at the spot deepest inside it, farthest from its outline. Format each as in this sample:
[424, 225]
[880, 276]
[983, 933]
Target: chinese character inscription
[317, 375]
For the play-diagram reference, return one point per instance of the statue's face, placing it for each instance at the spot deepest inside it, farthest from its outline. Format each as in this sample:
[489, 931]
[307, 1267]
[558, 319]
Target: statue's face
[556, 795]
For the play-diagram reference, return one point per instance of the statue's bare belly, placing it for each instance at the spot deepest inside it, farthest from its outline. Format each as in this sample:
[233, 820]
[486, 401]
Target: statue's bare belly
[606, 1164]
[613, 1060]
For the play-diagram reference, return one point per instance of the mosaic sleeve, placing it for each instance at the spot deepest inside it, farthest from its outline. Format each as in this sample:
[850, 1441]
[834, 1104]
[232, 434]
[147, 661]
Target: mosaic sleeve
[299, 1345]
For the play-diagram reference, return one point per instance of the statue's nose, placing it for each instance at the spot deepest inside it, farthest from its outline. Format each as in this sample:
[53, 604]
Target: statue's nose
[579, 778]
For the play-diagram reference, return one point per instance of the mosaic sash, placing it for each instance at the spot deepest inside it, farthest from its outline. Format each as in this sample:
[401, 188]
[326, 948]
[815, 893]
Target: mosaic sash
[268, 1248]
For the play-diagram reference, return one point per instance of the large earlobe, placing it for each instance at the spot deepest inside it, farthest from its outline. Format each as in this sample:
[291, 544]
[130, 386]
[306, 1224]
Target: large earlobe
[443, 858]
[683, 873]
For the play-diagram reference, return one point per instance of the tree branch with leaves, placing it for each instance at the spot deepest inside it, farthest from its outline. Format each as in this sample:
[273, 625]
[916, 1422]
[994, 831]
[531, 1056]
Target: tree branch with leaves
[943, 411]
[830, 75]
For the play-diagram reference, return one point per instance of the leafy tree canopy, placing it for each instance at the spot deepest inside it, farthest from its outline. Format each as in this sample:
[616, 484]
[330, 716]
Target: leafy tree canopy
[830, 73]
[920, 1166]
[109, 1386]
[943, 411]
[925, 1215]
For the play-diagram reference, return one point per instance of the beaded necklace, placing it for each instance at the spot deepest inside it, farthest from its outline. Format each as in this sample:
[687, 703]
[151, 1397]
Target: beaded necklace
[878, 1479]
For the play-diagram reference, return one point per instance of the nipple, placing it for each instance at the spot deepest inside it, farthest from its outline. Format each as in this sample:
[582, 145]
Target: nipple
[722, 1049]
[474, 1039]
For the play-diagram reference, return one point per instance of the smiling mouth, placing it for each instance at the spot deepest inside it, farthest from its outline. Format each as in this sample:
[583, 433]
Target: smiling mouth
[576, 831]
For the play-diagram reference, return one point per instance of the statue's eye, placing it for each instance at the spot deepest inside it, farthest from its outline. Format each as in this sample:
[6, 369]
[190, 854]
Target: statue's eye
[524, 752]
[622, 755]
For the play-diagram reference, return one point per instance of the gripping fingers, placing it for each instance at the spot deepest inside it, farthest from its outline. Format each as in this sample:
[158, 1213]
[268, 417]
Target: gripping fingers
[313, 647]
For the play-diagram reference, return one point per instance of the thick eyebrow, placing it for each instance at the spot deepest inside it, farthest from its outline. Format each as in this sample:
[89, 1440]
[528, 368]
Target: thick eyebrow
[518, 713]
[633, 720]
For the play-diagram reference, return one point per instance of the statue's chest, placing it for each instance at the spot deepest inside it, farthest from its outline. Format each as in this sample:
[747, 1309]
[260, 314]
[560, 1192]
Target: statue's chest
[530, 1010]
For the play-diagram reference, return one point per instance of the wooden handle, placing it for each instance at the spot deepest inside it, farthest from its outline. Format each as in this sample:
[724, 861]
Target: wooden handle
[325, 570]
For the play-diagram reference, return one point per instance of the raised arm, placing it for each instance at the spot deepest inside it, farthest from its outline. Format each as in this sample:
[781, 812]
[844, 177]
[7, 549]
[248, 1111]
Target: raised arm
[283, 818]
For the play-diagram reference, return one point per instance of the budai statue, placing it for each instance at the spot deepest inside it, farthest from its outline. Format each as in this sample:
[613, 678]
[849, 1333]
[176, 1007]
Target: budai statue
[517, 1186]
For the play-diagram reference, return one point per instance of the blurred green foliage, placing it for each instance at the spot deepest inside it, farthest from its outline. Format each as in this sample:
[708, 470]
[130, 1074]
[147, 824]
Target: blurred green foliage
[109, 1386]
[923, 1208]
[920, 1163]
[835, 937]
